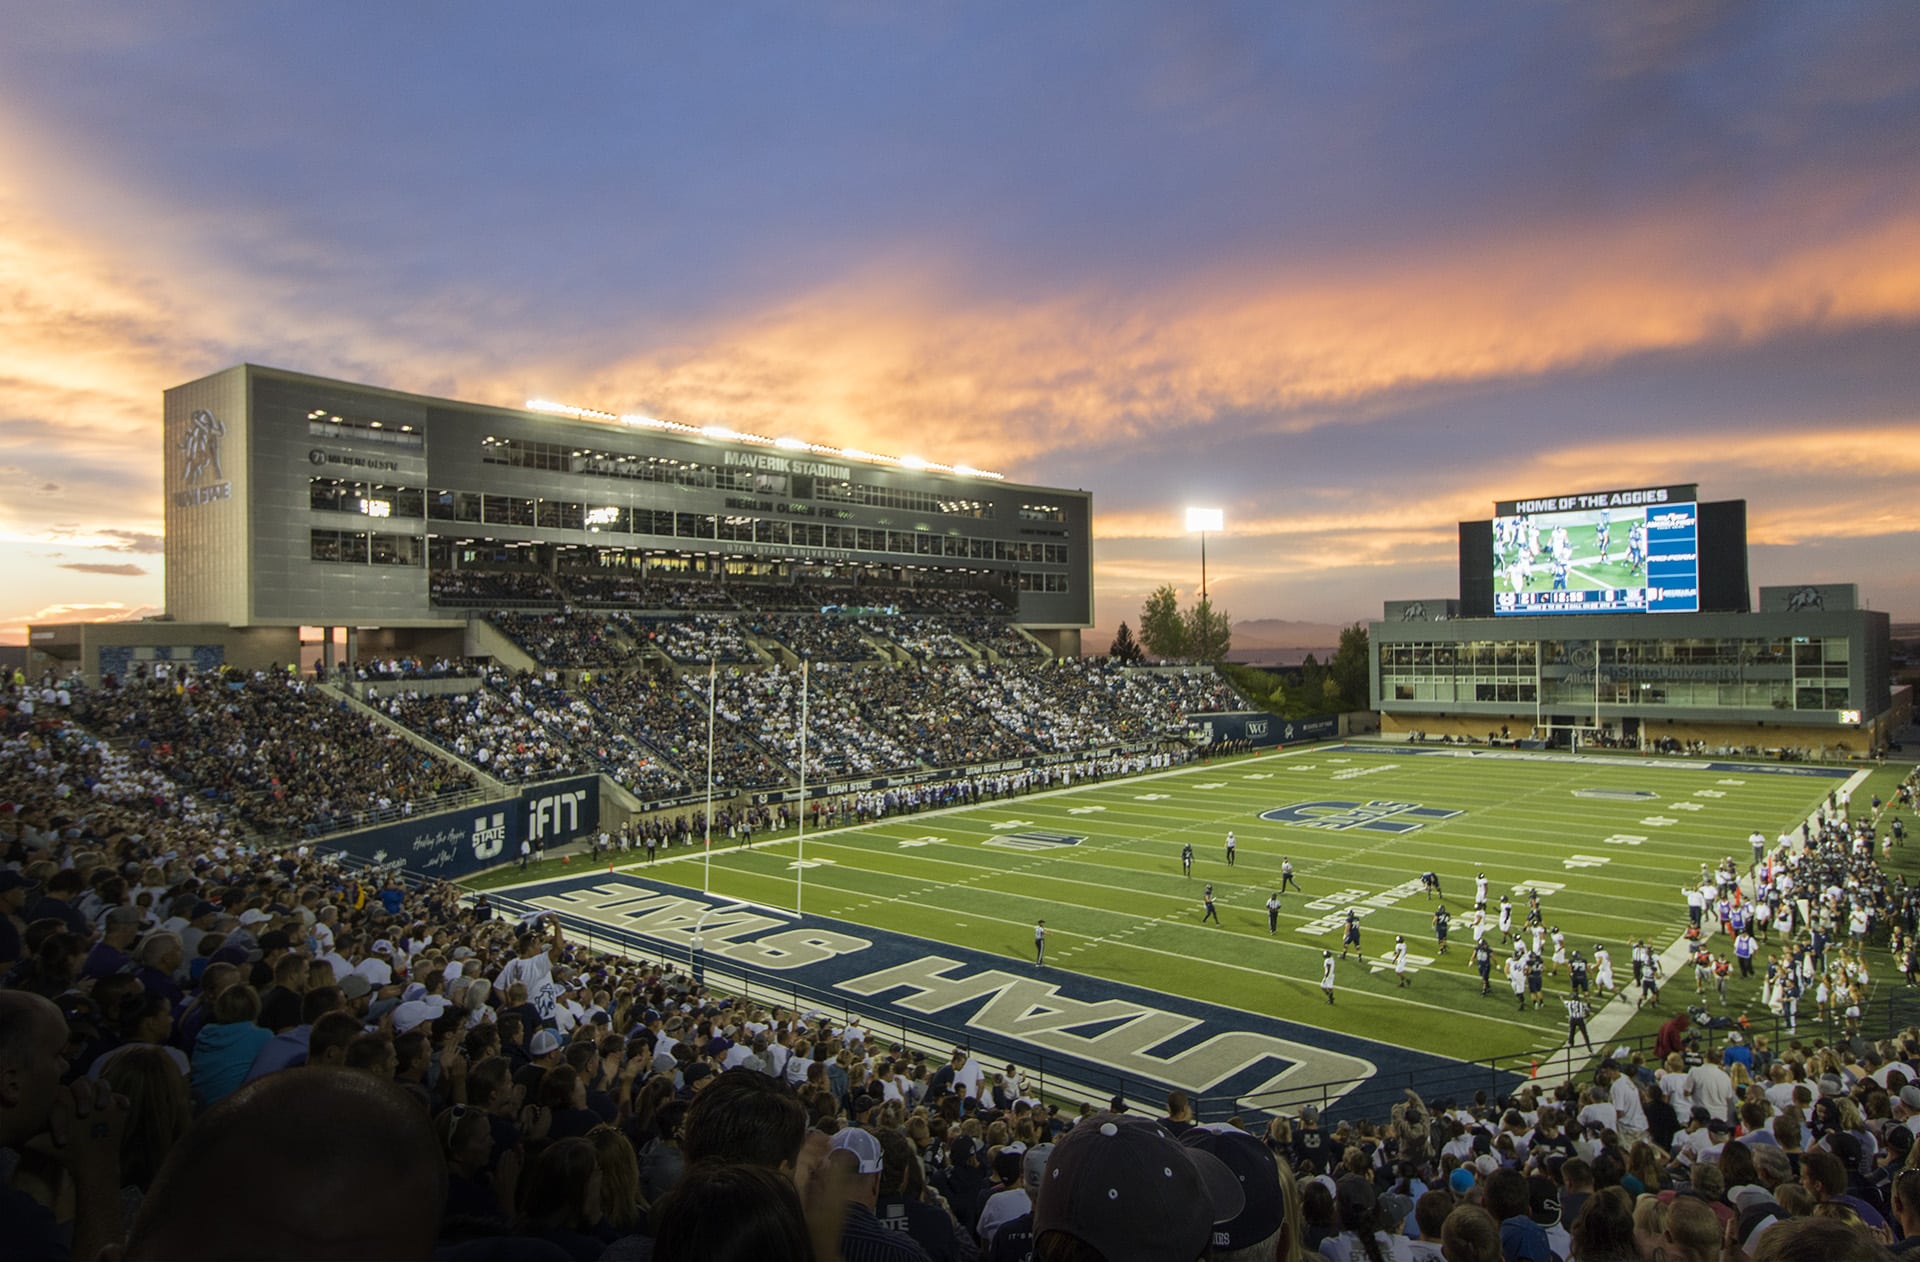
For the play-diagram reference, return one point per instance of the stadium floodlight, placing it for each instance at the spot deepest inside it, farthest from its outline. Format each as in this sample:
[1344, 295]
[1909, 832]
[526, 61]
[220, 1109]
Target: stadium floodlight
[723, 433]
[1203, 520]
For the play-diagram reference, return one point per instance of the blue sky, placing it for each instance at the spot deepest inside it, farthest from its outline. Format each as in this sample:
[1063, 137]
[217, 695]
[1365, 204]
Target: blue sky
[1349, 272]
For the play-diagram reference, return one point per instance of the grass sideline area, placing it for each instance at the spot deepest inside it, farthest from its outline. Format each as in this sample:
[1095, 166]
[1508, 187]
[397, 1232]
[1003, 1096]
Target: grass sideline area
[1100, 862]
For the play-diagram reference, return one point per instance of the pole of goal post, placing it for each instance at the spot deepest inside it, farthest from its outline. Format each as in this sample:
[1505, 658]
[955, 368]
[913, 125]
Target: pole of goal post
[706, 868]
[800, 867]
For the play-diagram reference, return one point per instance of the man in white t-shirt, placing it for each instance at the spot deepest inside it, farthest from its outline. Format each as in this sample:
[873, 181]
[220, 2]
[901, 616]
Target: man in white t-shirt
[1692, 1144]
[1712, 1090]
[1624, 1093]
[534, 967]
[968, 1073]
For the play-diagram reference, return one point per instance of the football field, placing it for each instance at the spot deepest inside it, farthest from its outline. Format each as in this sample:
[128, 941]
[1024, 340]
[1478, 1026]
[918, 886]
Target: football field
[1606, 842]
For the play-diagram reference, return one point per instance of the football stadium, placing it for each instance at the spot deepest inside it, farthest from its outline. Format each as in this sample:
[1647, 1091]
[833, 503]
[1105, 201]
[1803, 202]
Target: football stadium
[553, 758]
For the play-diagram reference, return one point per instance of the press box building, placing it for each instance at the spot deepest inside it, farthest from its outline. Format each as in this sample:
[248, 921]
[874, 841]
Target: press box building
[295, 501]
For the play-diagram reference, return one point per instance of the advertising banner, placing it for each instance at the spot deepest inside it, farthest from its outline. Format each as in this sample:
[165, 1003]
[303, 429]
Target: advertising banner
[453, 844]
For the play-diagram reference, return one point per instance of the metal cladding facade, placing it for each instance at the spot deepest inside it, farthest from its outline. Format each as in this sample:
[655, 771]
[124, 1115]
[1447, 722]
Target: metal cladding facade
[298, 500]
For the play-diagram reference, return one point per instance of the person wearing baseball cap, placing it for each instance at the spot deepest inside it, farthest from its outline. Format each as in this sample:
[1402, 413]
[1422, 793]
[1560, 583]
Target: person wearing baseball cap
[862, 1238]
[1256, 1230]
[1125, 1188]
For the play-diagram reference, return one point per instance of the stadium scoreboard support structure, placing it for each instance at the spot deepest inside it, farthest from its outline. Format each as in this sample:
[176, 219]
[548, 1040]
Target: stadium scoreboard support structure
[1624, 618]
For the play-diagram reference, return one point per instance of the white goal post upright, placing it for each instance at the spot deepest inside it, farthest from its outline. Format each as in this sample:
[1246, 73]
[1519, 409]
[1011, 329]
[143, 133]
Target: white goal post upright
[800, 867]
[706, 869]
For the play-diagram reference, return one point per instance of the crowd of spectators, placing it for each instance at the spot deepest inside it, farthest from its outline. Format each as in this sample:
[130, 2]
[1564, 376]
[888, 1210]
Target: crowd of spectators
[671, 715]
[406, 666]
[817, 637]
[838, 744]
[513, 729]
[626, 589]
[995, 635]
[486, 587]
[699, 638]
[267, 748]
[219, 1047]
[569, 639]
[223, 1045]
[926, 639]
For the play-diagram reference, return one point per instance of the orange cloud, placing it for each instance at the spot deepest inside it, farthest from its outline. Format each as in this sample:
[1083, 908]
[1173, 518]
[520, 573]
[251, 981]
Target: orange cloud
[877, 357]
[14, 626]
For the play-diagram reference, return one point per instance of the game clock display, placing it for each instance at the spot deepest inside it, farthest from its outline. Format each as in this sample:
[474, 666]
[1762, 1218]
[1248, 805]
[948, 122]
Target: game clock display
[1610, 552]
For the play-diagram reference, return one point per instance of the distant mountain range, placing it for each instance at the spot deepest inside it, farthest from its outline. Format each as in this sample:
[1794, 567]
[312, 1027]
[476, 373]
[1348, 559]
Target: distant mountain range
[1264, 640]
[1280, 633]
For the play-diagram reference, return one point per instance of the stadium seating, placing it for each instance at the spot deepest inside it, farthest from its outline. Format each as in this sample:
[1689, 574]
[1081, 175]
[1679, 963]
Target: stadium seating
[265, 1019]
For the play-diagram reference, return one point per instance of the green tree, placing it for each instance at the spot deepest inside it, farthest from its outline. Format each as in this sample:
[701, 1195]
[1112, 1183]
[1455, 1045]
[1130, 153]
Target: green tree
[1162, 628]
[1348, 669]
[1125, 648]
[1312, 676]
[1209, 632]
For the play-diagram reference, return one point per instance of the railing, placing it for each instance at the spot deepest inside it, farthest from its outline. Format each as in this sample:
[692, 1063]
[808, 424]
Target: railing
[386, 815]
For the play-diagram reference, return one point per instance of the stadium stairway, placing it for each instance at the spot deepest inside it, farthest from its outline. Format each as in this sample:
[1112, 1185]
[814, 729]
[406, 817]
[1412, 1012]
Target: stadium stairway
[486, 640]
[491, 787]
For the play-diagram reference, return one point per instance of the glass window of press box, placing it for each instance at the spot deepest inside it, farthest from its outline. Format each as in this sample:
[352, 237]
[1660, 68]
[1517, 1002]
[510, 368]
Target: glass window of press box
[1802, 673]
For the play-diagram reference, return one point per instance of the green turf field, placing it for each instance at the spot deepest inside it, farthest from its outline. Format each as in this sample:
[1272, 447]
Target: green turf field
[1101, 864]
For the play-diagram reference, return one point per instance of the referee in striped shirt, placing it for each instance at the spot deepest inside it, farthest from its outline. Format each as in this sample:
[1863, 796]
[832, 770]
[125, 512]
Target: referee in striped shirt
[1577, 1021]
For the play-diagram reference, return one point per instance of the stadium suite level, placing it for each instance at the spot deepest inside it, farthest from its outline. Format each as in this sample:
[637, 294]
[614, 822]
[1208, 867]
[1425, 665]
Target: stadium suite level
[298, 501]
[1808, 674]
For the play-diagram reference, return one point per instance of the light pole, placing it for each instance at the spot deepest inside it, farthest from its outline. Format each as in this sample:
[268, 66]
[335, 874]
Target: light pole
[1203, 520]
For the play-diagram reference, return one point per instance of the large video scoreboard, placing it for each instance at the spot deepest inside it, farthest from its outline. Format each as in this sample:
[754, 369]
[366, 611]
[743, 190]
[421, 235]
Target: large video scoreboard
[1630, 551]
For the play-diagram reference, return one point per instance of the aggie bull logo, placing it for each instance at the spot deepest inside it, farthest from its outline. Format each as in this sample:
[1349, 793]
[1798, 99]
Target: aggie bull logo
[200, 473]
[1373, 817]
[201, 446]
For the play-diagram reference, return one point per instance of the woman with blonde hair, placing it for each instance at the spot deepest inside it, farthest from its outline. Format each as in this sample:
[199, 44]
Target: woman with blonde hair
[620, 1197]
[1647, 1162]
[1649, 1226]
[475, 1002]
[159, 1110]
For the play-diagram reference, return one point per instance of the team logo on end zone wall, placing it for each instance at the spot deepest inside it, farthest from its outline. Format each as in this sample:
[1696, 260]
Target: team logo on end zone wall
[1034, 841]
[489, 835]
[1373, 817]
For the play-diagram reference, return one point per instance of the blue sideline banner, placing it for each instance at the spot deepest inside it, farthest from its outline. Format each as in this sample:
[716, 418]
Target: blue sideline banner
[453, 844]
[1259, 728]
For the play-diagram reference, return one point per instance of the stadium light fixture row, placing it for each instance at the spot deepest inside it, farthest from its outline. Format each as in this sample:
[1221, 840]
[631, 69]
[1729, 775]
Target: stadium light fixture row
[784, 443]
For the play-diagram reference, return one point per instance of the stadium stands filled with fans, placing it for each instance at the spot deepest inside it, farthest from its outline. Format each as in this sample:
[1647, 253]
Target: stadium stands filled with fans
[206, 1020]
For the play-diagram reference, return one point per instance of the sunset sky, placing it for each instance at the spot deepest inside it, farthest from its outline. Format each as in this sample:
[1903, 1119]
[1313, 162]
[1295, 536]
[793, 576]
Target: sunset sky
[1349, 272]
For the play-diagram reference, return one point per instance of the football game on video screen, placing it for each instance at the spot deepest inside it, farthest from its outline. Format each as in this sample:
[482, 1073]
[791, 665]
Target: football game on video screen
[1602, 552]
